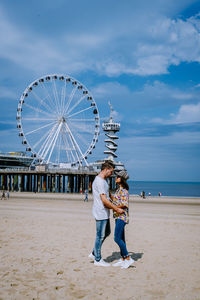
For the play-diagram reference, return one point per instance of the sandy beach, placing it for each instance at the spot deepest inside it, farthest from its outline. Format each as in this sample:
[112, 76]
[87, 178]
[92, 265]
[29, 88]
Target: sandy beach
[45, 240]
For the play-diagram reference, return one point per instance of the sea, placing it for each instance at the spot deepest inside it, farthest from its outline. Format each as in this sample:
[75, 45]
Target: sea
[166, 188]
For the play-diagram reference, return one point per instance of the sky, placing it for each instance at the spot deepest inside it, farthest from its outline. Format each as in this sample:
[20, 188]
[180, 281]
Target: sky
[142, 56]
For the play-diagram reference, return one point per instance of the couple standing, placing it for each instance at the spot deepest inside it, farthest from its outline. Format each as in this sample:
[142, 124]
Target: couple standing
[103, 202]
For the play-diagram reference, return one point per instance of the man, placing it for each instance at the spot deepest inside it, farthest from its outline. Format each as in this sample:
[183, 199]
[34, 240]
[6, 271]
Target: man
[101, 213]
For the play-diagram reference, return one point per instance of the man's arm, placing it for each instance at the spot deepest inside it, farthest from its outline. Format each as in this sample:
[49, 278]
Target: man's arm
[111, 196]
[110, 205]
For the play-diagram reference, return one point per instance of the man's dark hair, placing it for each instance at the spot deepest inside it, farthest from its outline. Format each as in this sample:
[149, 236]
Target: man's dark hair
[107, 165]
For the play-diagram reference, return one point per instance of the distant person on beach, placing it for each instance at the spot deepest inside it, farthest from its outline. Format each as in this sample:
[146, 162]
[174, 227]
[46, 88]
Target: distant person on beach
[101, 213]
[143, 194]
[159, 194]
[3, 196]
[86, 196]
[121, 200]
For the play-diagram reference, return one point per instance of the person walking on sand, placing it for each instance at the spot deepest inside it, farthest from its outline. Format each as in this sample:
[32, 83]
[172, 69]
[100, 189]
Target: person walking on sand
[86, 196]
[101, 213]
[3, 196]
[121, 200]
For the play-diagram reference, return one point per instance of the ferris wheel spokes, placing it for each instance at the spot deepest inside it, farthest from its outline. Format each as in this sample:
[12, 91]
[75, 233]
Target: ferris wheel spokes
[72, 143]
[82, 126]
[54, 141]
[41, 139]
[70, 99]
[37, 109]
[59, 146]
[50, 142]
[82, 139]
[42, 102]
[77, 146]
[82, 120]
[48, 96]
[74, 128]
[47, 141]
[63, 96]
[55, 94]
[38, 119]
[76, 104]
[42, 127]
[65, 143]
[69, 147]
[78, 112]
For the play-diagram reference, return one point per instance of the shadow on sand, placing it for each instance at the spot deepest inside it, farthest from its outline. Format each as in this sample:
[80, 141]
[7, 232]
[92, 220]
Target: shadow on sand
[116, 256]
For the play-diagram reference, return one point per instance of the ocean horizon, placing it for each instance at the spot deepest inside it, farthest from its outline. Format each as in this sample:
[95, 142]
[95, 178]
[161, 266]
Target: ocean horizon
[166, 188]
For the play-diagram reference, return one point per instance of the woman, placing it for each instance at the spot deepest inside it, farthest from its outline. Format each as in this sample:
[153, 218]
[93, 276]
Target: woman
[121, 199]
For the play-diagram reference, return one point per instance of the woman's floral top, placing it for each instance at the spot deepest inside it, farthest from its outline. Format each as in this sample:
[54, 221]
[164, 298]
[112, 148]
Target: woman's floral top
[121, 197]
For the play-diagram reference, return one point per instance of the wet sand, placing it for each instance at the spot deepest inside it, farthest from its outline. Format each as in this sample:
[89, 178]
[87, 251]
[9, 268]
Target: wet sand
[45, 240]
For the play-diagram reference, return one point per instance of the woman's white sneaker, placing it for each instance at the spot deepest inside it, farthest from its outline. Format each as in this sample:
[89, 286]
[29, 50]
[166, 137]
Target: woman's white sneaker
[101, 263]
[118, 263]
[91, 256]
[126, 263]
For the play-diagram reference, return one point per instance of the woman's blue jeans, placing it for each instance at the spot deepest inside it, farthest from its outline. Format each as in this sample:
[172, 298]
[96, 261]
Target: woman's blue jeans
[119, 237]
[102, 231]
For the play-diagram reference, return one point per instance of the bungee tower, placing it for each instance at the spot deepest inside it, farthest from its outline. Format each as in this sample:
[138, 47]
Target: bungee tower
[111, 128]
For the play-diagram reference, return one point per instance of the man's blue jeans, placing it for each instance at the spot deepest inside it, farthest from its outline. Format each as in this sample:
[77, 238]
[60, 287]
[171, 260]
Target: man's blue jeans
[102, 231]
[119, 237]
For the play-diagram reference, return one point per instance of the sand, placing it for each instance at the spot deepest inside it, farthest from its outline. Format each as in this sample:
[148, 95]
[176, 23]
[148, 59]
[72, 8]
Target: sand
[45, 241]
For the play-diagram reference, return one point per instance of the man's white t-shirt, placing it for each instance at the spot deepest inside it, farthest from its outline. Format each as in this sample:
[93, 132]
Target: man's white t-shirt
[100, 186]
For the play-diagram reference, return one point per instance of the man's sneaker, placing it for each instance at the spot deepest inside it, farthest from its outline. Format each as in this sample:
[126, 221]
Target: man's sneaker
[91, 256]
[101, 263]
[118, 263]
[126, 263]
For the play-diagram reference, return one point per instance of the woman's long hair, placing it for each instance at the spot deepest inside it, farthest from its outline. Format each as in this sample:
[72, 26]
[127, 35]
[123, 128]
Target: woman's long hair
[124, 183]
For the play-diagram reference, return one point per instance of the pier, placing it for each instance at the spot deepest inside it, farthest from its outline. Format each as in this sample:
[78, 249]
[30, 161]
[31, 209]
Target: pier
[54, 180]
[71, 181]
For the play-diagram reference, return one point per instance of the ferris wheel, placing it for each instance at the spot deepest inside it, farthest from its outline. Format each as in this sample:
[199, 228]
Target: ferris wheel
[58, 120]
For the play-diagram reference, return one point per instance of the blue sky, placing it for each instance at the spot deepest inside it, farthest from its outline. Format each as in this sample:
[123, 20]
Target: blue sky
[143, 56]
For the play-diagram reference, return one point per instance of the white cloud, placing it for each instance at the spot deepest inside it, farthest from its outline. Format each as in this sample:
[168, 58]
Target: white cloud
[188, 113]
[111, 89]
[129, 46]
[85, 40]
[152, 65]
[152, 95]
[157, 46]
[147, 144]
[151, 103]
[170, 42]
[183, 96]
[35, 53]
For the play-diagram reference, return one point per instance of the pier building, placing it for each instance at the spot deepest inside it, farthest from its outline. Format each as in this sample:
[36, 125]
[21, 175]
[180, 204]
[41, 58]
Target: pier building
[15, 159]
